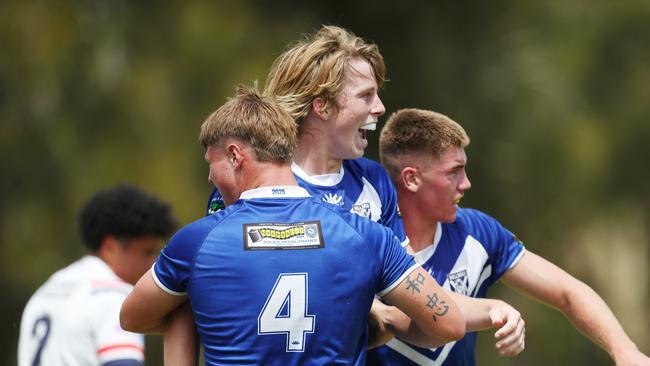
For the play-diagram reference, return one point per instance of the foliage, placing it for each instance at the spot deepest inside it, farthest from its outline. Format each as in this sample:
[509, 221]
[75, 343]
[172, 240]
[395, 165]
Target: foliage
[553, 94]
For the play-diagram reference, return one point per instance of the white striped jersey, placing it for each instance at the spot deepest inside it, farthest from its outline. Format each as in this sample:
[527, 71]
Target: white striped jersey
[73, 319]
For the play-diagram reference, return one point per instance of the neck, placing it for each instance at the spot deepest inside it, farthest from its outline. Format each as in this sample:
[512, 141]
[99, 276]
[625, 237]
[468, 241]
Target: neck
[267, 174]
[312, 153]
[419, 229]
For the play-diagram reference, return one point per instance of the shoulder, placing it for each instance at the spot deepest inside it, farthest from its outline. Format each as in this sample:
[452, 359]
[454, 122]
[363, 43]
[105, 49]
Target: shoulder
[482, 226]
[369, 231]
[195, 233]
[190, 237]
[371, 171]
[199, 228]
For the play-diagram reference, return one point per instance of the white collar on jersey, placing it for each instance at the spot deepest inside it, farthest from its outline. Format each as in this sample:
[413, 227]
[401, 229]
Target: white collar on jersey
[275, 192]
[330, 179]
[426, 253]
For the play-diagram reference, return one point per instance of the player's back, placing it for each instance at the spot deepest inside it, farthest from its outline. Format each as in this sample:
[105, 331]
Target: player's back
[361, 187]
[288, 282]
[65, 321]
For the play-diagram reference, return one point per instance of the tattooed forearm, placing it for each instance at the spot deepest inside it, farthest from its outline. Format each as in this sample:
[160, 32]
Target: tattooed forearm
[414, 284]
[439, 307]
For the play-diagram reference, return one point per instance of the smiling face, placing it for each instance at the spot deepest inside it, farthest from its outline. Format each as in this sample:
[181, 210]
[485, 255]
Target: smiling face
[443, 182]
[358, 108]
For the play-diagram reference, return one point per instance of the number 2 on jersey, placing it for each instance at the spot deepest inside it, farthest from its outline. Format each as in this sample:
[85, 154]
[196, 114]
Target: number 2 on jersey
[285, 311]
[42, 323]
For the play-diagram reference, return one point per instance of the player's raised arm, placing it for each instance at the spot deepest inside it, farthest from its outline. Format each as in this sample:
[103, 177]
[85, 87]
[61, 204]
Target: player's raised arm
[434, 313]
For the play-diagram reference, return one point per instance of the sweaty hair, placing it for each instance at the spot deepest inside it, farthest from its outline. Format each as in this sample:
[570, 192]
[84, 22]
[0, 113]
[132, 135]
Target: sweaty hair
[256, 120]
[416, 133]
[125, 212]
[317, 67]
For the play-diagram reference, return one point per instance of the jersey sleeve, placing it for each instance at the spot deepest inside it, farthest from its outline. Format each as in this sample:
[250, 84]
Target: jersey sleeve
[503, 247]
[113, 344]
[395, 263]
[174, 265]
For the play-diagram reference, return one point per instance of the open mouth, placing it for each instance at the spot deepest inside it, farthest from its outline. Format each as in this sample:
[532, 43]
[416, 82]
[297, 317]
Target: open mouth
[370, 126]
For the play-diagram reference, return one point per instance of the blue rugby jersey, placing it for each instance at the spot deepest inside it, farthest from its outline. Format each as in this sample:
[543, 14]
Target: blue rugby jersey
[467, 256]
[361, 187]
[280, 278]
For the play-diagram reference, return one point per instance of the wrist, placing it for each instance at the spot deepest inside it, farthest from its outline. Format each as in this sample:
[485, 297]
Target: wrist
[620, 351]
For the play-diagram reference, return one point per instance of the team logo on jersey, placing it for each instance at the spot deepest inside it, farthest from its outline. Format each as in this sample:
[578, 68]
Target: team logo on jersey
[459, 282]
[361, 209]
[333, 199]
[216, 204]
[271, 236]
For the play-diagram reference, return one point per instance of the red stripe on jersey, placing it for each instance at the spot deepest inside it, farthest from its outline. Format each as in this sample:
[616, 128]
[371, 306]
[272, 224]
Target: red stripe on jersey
[116, 346]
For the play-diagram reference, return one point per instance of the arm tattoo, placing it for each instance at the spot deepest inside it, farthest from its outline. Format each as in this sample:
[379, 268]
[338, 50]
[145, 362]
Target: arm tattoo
[439, 307]
[413, 285]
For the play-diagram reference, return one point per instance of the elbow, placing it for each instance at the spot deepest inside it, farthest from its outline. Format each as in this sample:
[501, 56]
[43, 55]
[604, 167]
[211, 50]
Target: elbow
[457, 330]
[452, 329]
[455, 327]
[125, 321]
[129, 322]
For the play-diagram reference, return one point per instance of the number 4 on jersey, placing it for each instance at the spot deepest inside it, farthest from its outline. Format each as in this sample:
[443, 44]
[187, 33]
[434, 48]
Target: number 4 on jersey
[285, 311]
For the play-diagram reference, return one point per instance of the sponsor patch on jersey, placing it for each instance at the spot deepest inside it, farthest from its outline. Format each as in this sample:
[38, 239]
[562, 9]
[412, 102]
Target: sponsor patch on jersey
[362, 210]
[274, 236]
[459, 282]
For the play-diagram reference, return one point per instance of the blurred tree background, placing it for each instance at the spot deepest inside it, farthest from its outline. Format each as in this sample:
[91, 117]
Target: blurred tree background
[555, 96]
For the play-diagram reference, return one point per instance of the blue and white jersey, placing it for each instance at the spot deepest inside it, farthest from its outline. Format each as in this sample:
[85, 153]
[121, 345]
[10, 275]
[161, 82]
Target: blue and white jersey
[467, 256]
[280, 278]
[361, 187]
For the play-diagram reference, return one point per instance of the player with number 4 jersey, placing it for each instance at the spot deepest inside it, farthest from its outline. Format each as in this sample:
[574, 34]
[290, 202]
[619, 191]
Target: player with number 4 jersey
[275, 277]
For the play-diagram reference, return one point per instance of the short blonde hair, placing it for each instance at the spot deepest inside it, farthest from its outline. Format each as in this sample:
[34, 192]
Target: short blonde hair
[256, 120]
[317, 67]
[417, 133]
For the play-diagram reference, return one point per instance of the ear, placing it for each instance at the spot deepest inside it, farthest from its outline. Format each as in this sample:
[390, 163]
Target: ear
[410, 177]
[236, 154]
[318, 106]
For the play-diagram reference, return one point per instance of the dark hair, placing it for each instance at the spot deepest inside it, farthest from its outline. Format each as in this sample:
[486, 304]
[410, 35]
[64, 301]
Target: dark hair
[125, 212]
